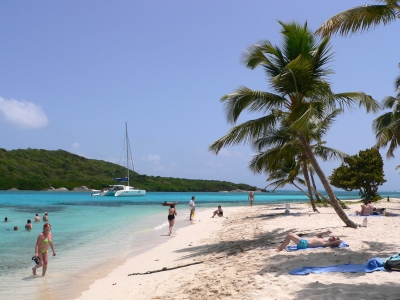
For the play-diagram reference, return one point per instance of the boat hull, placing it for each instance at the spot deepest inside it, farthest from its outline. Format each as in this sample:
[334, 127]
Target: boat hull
[123, 191]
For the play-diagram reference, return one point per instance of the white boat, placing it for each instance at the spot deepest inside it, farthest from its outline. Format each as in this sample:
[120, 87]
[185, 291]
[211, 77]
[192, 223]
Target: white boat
[120, 190]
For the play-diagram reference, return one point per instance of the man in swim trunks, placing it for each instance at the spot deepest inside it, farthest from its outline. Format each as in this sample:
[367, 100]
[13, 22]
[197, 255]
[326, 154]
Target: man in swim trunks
[319, 241]
[192, 207]
[218, 212]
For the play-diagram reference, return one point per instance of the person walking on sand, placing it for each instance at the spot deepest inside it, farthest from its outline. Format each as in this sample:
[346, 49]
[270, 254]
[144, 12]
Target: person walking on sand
[319, 241]
[44, 239]
[45, 217]
[251, 198]
[37, 218]
[192, 208]
[171, 217]
[218, 212]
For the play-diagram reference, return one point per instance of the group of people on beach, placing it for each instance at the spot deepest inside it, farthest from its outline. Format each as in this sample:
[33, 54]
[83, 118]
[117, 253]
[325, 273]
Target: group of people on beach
[366, 209]
[44, 240]
[172, 213]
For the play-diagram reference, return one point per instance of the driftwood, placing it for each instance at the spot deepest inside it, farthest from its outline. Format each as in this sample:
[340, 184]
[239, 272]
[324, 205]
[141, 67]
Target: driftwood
[166, 269]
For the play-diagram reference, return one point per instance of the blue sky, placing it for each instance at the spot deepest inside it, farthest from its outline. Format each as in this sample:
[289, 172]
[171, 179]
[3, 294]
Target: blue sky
[73, 72]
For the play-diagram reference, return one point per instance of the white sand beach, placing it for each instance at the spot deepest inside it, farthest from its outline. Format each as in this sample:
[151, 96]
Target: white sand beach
[237, 258]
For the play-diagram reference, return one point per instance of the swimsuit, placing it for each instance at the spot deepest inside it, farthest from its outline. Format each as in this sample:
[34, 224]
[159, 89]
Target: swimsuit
[45, 241]
[171, 217]
[303, 244]
[221, 213]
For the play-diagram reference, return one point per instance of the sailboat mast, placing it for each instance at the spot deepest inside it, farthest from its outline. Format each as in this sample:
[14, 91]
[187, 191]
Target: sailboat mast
[127, 151]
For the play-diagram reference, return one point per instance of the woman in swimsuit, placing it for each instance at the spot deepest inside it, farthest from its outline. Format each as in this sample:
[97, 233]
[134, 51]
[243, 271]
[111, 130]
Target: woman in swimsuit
[171, 217]
[44, 239]
[251, 198]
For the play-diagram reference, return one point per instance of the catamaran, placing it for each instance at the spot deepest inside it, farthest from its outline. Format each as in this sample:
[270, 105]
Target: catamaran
[120, 190]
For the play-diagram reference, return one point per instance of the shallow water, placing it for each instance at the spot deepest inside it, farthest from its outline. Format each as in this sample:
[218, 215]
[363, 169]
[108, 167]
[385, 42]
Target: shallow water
[90, 233]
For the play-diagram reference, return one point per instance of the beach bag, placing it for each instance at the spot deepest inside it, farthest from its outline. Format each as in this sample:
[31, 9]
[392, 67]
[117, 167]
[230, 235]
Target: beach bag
[392, 263]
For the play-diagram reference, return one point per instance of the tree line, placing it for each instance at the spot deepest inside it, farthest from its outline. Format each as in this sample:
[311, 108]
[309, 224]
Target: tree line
[39, 169]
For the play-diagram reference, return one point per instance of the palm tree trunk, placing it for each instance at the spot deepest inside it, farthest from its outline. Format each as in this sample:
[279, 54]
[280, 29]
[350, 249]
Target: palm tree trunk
[307, 179]
[314, 186]
[335, 204]
[301, 190]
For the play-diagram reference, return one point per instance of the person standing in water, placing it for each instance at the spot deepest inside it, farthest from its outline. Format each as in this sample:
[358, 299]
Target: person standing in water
[45, 217]
[171, 217]
[44, 239]
[29, 224]
[251, 198]
[192, 208]
[37, 218]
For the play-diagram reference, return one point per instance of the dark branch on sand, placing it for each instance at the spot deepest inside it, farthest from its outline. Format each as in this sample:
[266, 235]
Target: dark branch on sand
[166, 269]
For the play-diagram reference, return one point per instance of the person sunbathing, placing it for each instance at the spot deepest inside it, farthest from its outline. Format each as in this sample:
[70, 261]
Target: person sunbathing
[319, 241]
[366, 209]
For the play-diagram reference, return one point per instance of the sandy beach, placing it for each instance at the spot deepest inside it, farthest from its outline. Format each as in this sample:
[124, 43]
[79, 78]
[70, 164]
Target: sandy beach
[234, 257]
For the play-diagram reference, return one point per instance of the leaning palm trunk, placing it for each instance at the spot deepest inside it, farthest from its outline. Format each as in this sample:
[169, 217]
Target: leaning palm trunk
[301, 190]
[335, 204]
[314, 186]
[307, 179]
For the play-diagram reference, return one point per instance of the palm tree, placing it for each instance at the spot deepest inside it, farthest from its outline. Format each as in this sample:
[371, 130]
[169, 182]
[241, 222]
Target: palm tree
[286, 173]
[387, 126]
[301, 96]
[361, 18]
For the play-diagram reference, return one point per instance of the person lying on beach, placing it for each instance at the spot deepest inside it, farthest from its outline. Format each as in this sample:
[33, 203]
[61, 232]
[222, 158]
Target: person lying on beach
[218, 212]
[366, 209]
[319, 241]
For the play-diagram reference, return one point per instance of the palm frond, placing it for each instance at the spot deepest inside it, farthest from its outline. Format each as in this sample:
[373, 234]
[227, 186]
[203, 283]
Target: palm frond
[360, 18]
[253, 101]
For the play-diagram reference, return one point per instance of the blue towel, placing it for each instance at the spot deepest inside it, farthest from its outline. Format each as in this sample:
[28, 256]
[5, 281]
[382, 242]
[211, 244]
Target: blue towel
[373, 264]
[343, 244]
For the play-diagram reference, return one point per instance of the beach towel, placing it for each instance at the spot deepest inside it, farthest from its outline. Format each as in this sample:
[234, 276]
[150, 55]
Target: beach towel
[372, 265]
[343, 244]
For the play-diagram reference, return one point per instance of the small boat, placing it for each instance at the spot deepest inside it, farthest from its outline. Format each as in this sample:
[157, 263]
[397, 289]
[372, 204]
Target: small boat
[120, 190]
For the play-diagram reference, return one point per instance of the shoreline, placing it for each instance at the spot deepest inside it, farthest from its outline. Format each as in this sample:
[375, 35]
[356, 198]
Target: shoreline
[152, 259]
[239, 261]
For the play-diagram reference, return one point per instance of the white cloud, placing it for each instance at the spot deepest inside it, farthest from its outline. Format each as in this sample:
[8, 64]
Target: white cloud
[23, 114]
[154, 159]
[75, 146]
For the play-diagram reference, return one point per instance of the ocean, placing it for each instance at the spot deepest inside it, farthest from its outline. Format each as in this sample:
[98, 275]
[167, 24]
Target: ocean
[93, 234]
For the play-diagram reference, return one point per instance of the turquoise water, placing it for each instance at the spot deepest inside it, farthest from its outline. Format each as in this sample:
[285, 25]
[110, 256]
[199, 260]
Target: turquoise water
[89, 231]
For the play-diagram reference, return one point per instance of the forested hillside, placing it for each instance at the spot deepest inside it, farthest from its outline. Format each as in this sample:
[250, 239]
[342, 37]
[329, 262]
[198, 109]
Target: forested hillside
[38, 169]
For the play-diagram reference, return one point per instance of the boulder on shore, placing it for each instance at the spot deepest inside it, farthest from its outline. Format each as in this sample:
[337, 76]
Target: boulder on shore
[81, 189]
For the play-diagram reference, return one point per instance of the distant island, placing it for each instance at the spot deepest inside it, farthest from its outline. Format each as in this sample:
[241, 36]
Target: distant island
[38, 169]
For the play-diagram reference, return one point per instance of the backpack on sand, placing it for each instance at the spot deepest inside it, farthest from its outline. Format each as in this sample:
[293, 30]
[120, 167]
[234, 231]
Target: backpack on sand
[392, 263]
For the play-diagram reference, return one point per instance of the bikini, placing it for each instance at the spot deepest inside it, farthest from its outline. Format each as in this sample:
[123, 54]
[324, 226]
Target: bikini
[171, 217]
[45, 241]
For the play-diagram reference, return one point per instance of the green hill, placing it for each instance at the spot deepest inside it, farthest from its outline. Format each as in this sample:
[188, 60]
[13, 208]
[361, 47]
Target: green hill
[38, 169]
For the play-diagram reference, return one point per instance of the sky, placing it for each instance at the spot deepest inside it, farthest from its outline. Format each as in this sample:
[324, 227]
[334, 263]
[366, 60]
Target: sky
[73, 72]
